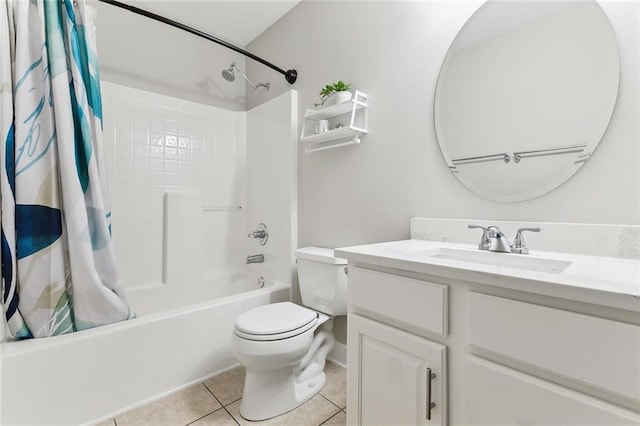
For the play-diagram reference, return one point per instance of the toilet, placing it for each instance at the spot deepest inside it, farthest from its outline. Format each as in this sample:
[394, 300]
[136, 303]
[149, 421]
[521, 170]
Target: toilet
[284, 346]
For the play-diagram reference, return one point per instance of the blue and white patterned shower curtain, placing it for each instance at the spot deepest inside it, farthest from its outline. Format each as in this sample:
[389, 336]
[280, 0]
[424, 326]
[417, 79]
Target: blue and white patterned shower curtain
[58, 268]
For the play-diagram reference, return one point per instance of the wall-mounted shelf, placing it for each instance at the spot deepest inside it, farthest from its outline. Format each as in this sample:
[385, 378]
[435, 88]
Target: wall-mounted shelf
[347, 122]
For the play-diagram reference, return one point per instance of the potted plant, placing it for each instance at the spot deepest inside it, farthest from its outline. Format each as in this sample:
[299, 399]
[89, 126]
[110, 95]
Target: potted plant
[335, 93]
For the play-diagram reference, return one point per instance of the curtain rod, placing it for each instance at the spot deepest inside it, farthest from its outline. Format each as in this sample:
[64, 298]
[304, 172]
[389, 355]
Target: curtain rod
[289, 75]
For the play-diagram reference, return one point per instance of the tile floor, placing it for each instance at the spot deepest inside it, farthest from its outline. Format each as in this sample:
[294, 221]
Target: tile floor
[217, 402]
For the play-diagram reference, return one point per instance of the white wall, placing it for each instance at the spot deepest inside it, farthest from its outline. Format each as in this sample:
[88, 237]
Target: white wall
[139, 52]
[393, 51]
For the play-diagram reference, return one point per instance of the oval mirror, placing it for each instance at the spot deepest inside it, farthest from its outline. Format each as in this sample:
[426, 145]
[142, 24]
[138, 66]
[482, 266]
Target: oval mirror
[525, 94]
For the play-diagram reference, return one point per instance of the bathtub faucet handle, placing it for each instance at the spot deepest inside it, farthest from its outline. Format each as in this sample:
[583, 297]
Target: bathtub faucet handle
[261, 234]
[257, 234]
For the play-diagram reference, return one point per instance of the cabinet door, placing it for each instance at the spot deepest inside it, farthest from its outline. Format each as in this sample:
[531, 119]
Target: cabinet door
[388, 379]
[498, 395]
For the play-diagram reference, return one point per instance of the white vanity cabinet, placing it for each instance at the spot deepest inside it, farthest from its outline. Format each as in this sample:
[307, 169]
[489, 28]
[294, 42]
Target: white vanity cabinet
[498, 395]
[596, 355]
[501, 353]
[395, 377]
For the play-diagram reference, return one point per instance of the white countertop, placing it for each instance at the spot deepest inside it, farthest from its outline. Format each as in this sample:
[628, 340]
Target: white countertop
[604, 281]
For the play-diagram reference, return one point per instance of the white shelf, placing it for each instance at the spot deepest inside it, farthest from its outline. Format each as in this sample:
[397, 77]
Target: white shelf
[347, 129]
[323, 146]
[333, 110]
[332, 135]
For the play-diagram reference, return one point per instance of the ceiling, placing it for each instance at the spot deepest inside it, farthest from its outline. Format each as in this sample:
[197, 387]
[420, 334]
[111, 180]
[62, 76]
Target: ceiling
[236, 21]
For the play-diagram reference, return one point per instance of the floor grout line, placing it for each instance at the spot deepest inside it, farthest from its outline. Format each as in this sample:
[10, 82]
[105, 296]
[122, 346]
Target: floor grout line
[233, 402]
[217, 409]
[211, 392]
[330, 417]
[224, 407]
[200, 418]
[337, 406]
[232, 416]
[332, 403]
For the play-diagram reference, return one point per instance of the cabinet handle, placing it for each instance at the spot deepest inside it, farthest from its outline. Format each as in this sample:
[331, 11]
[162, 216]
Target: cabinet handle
[430, 404]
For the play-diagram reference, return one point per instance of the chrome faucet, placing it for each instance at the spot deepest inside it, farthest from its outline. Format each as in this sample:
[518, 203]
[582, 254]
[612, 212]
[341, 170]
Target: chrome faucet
[519, 245]
[498, 241]
[494, 240]
[256, 258]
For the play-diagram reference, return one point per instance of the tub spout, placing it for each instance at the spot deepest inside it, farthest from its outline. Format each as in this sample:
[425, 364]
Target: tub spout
[256, 258]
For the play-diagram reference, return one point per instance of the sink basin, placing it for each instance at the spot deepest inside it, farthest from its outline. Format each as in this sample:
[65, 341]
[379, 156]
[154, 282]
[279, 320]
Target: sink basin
[508, 260]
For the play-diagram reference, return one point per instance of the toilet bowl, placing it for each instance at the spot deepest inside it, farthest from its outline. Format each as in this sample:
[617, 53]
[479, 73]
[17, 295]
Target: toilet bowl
[284, 346]
[284, 363]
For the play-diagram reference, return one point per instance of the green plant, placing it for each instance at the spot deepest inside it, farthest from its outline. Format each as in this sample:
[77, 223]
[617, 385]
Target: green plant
[330, 89]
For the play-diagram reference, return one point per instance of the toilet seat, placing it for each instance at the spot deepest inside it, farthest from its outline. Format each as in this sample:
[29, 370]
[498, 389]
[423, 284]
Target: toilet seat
[275, 321]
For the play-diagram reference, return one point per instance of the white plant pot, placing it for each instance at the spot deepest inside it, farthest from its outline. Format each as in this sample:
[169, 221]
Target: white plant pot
[338, 98]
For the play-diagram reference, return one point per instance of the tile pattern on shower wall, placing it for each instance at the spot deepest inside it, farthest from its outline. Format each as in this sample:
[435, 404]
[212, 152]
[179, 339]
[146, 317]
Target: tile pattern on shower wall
[155, 144]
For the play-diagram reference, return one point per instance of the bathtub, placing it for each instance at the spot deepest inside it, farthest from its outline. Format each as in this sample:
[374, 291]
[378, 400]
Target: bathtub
[94, 374]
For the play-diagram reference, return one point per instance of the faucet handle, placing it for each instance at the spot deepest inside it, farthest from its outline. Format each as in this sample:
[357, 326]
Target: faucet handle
[257, 234]
[484, 240]
[519, 246]
[261, 234]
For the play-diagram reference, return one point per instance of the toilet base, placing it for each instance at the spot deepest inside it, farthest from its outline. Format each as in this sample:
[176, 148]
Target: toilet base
[269, 394]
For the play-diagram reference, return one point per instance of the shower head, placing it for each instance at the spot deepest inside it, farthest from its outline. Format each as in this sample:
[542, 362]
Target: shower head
[229, 75]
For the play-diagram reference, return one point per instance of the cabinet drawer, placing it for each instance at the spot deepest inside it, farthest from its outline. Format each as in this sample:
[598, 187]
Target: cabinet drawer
[595, 351]
[497, 395]
[414, 302]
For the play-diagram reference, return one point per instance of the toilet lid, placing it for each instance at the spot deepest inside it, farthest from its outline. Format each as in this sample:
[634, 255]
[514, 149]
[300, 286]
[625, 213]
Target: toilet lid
[275, 318]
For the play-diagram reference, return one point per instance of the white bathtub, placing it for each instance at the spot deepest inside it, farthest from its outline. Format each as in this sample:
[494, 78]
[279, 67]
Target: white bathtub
[90, 375]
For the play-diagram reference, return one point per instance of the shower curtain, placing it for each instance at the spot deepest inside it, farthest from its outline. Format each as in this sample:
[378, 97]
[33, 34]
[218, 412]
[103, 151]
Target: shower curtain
[58, 268]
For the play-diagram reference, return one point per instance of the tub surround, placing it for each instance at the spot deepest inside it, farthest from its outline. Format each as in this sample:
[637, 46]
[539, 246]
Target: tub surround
[561, 329]
[157, 144]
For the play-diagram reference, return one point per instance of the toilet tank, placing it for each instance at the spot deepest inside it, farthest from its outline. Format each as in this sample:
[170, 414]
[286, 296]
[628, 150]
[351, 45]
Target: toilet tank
[323, 280]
